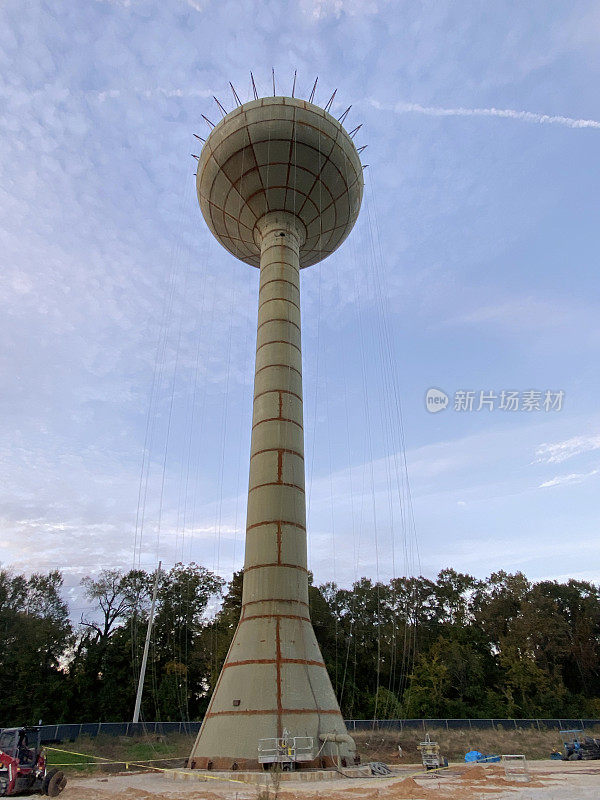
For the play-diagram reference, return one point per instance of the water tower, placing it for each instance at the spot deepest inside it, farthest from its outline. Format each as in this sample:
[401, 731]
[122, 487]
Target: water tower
[280, 185]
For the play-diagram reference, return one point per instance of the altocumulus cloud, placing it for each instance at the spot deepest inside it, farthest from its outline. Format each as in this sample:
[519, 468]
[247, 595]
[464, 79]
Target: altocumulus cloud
[557, 452]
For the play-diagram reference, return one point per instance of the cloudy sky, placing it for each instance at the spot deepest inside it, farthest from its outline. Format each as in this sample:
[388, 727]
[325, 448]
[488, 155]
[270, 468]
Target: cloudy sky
[128, 334]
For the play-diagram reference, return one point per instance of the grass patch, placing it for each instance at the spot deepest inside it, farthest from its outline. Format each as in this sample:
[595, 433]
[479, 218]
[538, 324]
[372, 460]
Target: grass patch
[69, 762]
[162, 751]
[531, 742]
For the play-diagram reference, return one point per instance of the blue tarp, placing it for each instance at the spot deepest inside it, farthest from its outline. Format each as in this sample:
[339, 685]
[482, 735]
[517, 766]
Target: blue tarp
[475, 755]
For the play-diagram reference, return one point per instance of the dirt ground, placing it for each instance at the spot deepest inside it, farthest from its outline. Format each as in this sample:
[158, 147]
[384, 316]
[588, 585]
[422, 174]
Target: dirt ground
[548, 780]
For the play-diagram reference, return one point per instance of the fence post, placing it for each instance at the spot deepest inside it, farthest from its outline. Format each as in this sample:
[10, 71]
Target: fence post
[447, 728]
[470, 726]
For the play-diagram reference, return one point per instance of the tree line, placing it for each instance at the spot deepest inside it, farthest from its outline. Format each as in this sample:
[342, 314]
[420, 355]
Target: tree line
[455, 646]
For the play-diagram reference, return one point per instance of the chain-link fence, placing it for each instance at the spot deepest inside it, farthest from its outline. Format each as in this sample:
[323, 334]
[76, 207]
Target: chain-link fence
[469, 724]
[70, 732]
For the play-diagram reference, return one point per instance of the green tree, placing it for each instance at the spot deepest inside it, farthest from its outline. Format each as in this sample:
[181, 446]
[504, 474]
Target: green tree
[184, 595]
[426, 694]
[108, 649]
[35, 635]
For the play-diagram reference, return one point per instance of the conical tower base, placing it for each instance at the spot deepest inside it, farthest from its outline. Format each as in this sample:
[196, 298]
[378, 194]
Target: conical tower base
[273, 684]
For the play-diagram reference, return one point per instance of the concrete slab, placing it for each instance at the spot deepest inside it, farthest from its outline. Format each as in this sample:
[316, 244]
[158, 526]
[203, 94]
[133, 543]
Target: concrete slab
[264, 776]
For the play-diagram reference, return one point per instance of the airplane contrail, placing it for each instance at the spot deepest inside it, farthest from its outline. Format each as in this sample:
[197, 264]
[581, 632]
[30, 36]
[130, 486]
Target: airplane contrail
[508, 113]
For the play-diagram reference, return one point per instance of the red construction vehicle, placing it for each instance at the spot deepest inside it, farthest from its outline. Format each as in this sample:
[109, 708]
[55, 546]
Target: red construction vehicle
[23, 764]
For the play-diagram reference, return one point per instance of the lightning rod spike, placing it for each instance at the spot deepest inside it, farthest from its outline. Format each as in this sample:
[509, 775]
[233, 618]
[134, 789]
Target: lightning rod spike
[253, 86]
[294, 84]
[330, 101]
[220, 106]
[354, 131]
[360, 149]
[235, 94]
[206, 119]
[344, 115]
[273, 74]
[198, 137]
[312, 94]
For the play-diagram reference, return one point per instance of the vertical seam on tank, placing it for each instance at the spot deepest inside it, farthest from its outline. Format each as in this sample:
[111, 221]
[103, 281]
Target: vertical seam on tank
[278, 657]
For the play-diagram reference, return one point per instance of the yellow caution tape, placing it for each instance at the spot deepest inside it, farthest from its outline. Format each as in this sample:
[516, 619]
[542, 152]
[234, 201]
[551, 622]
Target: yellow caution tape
[83, 755]
[106, 760]
[140, 764]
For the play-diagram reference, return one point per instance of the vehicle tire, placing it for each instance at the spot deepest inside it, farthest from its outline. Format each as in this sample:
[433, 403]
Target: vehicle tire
[379, 768]
[54, 783]
[590, 753]
[46, 780]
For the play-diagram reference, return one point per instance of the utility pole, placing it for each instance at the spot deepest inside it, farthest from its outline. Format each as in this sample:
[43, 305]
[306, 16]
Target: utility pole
[140, 689]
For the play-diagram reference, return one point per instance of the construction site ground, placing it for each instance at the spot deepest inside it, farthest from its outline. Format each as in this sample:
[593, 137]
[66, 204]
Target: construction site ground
[548, 780]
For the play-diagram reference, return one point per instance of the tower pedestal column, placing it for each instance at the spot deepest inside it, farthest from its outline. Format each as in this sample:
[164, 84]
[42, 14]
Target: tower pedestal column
[274, 678]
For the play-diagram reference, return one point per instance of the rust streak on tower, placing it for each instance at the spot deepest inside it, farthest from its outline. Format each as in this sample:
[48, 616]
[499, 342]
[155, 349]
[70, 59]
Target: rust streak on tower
[280, 185]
